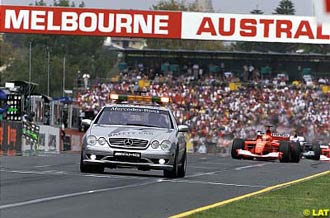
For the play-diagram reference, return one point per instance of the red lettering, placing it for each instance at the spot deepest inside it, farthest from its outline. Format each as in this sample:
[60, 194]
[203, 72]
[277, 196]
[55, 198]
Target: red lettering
[319, 34]
[206, 27]
[49, 20]
[266, 24]
[304, 29]
[327, 6]
[231, 30]
[248, 27]
[283, 26]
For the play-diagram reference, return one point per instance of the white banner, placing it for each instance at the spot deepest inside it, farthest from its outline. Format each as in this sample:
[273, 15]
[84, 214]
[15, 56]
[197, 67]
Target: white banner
[167, 24]
[260, 28]
[322, 10]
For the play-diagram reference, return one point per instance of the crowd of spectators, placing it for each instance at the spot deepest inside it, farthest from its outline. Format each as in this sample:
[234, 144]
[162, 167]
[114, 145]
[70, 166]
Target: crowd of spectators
[220, 107]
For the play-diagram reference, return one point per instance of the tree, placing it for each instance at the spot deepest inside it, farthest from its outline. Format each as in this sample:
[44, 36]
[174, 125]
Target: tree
[285, 7]
[40, 3]
[174, 5]
[256, 11]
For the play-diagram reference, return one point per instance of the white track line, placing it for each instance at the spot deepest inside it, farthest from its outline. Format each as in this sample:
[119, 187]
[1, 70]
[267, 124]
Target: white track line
[56, 173]
[215, 183]
[251, 166]
[220, 171]
[42, 166]
[42, 200]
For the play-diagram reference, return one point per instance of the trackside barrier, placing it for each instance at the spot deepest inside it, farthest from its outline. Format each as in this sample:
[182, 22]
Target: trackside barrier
[10, 138]
[49, 141]
[72, 140]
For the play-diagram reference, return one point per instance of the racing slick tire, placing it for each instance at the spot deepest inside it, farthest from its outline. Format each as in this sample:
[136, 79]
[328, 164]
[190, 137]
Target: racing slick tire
[296, 152]
[317, 151]
[183, 166]
[84, 168]
[285, 150]
[237, 144]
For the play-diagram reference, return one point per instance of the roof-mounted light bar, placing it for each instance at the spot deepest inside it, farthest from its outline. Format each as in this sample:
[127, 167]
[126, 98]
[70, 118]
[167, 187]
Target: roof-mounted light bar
[138, 98]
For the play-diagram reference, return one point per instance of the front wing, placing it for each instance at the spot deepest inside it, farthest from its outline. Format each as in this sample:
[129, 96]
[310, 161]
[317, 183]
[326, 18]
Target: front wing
[324, 158]
[245, 153]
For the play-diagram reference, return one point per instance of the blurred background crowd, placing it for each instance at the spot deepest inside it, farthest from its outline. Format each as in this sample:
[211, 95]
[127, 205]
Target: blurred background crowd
[220, 107]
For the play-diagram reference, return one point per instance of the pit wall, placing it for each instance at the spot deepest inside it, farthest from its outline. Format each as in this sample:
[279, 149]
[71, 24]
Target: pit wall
[51, 140]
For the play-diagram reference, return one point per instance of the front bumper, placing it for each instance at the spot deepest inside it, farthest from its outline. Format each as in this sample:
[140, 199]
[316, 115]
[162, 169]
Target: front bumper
[110, 163]
[148, 159]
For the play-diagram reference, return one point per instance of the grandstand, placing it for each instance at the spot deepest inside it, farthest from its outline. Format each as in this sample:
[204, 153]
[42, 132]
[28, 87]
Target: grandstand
[291, 63]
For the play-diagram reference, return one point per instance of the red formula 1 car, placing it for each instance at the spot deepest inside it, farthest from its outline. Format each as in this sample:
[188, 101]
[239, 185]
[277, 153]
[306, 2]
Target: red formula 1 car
[325, 152]
[268, 146]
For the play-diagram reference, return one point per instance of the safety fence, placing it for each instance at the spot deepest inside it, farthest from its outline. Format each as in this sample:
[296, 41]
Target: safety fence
[50, 140]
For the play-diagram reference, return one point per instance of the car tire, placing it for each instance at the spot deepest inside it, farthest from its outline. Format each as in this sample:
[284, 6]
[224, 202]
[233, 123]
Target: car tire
[183, 166]
[285, 150]
[173, 173]
[84, 168]
[317, 151]
[296, 152]
[237, 144]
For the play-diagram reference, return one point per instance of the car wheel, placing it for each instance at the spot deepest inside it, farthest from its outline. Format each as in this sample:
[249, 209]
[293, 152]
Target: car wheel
[237, 144]
[296, 152]
[183, 166]
[285, 150]
[317, 152]
[84, 168]
[173, 173]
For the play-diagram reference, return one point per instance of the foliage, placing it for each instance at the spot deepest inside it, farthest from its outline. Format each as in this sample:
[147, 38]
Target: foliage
[173, 5]
[285, 7]
[257, 11]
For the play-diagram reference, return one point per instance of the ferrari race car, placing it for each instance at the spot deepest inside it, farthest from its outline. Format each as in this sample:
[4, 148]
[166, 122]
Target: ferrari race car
[268, 146]
[308, 150]
[325, 152]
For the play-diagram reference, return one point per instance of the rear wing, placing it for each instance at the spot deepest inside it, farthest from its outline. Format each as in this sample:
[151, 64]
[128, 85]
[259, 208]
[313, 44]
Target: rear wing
[281, 136]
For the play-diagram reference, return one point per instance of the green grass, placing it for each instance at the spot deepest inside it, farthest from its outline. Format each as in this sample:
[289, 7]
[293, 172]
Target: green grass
[288, 202]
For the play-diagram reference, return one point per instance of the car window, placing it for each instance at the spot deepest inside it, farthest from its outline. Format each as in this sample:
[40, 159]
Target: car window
[135, 117]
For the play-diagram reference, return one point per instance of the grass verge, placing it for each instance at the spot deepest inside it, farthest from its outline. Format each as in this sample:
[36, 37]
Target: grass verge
[291, 201]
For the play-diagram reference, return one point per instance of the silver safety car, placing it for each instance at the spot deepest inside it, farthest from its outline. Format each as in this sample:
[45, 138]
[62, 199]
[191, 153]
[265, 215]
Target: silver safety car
[134, 135]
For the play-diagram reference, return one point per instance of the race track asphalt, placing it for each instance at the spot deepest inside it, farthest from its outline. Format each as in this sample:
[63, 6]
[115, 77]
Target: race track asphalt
[50, 186]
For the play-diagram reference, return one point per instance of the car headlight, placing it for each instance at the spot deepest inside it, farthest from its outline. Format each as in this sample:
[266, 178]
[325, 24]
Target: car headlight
[166, 145]
[102, 141]
[91, 140]
[155, 144]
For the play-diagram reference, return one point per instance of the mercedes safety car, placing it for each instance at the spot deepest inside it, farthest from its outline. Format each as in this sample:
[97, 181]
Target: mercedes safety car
[267, 146]
[139, 135]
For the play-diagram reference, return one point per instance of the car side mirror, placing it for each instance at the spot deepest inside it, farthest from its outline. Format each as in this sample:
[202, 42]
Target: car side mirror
[85, 123]
[183, 128]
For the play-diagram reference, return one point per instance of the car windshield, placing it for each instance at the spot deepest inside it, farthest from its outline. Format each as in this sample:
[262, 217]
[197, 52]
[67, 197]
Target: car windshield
[135, 116]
